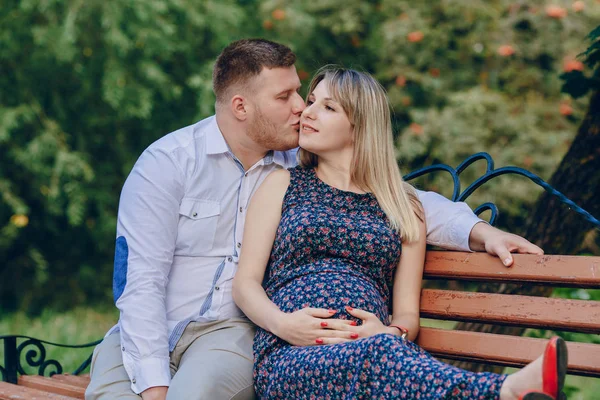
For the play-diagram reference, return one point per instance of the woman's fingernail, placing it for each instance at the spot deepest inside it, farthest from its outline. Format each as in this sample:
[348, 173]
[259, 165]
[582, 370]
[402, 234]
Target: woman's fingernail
[354, 335]
[506, 261]
[353, 323]
[348, 308]
[332, 311]
[323, 324]
[319, 341]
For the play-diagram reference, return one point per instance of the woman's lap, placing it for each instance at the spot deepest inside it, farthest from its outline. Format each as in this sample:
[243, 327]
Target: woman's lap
[381, 366]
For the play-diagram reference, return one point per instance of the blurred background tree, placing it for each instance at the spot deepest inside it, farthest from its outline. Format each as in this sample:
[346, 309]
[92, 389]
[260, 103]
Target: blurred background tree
[85, 86]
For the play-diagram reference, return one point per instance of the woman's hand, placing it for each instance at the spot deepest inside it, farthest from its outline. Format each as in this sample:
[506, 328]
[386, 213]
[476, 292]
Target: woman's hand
[371, 325]
[314, 326]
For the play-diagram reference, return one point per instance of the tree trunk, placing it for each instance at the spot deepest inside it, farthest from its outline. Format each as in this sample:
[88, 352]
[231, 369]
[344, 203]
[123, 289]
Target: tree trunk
[553, 226]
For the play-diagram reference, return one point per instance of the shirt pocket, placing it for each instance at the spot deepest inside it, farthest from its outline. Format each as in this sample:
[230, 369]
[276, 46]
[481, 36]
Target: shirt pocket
[198, 221]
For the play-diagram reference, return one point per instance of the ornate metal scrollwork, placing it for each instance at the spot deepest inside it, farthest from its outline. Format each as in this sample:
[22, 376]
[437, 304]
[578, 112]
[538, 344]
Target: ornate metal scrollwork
[491, 173]
[36, 357]
[31, 353]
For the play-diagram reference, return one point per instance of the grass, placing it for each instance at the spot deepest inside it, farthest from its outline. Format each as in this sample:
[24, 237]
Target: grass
[84, 325]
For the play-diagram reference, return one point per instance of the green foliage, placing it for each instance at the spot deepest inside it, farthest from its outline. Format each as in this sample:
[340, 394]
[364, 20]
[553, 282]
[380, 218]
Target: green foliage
[87, 85]
[576, 83]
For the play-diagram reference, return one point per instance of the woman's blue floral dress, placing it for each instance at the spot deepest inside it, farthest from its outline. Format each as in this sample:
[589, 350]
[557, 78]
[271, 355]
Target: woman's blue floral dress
[332, 249]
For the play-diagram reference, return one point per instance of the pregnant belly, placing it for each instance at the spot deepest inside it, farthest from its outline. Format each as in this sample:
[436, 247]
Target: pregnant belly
[332, 290]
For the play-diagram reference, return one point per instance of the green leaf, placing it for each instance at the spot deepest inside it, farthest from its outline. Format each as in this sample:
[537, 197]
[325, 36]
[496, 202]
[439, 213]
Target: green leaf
[576, 84]
[594, 34]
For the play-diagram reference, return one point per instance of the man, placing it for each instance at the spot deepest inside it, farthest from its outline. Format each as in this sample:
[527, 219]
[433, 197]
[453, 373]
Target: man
[179, 236]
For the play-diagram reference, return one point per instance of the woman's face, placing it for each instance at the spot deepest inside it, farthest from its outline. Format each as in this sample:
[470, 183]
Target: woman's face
[324, 125]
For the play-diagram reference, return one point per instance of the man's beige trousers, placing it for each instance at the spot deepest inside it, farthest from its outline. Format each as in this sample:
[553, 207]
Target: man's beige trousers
[211, 361]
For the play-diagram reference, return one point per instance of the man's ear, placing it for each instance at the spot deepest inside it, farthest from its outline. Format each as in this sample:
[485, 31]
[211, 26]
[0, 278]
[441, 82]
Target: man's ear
[239, 107]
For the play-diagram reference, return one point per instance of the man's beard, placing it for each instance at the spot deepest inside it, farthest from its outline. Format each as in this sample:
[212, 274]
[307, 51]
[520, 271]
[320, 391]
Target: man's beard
[266, 134]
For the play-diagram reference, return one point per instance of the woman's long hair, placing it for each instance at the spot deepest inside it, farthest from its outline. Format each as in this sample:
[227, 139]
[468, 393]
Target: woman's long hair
[374, 166]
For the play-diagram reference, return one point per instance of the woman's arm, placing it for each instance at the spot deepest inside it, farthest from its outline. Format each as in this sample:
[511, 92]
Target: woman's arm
[407, 285]
[300, 328]
[262, 220]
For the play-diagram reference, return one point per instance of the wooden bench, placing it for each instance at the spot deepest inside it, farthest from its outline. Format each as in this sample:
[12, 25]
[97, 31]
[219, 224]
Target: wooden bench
[34, 387]
[515, 310]
[525, 311]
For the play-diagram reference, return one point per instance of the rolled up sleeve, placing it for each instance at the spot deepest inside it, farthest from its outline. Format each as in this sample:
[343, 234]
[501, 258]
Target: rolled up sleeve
[146, 235]
[449, 223]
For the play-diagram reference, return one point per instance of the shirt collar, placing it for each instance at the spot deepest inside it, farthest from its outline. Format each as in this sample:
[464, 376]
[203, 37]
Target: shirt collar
[215, 142]
[283, 158]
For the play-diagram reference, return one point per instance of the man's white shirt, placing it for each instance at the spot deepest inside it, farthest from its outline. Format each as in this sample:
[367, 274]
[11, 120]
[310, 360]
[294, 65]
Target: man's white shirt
[179, 235]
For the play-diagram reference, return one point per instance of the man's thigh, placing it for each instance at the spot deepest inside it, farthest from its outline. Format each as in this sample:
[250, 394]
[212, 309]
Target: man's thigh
[217, 366]
[109, 378]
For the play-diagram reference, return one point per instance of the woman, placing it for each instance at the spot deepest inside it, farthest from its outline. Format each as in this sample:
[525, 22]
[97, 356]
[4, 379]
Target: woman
[338, 243]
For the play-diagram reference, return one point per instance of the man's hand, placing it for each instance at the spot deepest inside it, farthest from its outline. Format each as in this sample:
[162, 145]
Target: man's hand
[485, 237]
[155, 393]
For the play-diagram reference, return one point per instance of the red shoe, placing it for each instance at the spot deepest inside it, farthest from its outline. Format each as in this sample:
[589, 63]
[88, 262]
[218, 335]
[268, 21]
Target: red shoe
[554, 370]
[555, 367]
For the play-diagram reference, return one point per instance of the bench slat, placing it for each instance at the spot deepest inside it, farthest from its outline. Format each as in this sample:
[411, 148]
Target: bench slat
[504, 350]
[9, 391]
[572, 271]
[75, 380]
[51, 385]
[528, 311]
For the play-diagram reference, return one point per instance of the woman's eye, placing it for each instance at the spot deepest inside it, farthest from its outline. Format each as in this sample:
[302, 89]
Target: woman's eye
[329, 108]
[309, 102]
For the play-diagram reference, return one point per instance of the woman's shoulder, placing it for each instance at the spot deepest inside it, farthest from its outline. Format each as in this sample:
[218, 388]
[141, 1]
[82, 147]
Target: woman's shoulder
[277, 180]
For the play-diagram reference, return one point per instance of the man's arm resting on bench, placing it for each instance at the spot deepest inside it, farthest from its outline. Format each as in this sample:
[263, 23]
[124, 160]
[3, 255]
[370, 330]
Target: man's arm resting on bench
[485, 237]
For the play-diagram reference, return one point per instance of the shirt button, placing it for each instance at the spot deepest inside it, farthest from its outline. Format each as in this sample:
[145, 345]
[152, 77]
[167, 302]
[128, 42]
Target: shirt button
[241, 209]
[195, 214]
[123, 348]
[239, 245]
[230, 259]
[133, 380]
[246, 174]
[217, 288]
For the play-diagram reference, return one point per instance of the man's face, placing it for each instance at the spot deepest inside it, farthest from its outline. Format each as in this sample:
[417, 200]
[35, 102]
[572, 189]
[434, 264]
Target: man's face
[275, 118]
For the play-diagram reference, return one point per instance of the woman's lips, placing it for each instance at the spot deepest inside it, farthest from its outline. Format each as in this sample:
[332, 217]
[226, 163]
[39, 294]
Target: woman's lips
[308, 129]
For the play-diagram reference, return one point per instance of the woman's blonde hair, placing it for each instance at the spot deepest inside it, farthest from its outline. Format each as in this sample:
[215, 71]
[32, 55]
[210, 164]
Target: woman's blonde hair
[374, 165]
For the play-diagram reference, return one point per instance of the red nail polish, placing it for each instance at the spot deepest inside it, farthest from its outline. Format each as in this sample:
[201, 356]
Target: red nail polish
[348, 308]
[332, 311]
[353, 323]
[354, 335]
[319, 341]
[323, 324]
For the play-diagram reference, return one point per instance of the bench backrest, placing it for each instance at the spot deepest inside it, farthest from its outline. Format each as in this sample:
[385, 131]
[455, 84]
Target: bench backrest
[506, 309]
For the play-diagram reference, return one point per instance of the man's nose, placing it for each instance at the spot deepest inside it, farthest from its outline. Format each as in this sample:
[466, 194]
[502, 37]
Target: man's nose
[299, 105]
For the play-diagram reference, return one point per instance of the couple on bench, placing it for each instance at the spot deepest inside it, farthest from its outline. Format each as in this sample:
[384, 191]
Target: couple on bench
[246, 268]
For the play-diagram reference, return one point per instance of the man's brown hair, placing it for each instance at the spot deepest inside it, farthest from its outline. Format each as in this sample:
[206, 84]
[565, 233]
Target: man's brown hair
[245, 59]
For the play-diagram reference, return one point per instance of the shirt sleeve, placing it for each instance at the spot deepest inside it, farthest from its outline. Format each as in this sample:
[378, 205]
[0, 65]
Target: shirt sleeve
[146, 235]
[449, 223]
